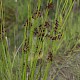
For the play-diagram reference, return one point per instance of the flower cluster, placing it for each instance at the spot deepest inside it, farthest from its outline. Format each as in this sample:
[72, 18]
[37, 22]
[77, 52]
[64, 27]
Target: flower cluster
[40, 31]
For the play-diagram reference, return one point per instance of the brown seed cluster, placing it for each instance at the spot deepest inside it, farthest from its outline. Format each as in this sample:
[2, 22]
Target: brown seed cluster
[40, 30]
[56, 26]
[57, 37]
[35, 31]
[37, 14]
[50, 5]
[50, 56]
[28, 23]
[2, 33]
[26, 46]
[47, 25]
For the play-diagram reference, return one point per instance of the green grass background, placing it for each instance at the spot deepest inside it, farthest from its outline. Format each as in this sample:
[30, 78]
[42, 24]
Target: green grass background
[13, 16]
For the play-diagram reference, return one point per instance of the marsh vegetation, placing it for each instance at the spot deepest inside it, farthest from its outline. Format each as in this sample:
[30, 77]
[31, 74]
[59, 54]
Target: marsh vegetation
[39, 40]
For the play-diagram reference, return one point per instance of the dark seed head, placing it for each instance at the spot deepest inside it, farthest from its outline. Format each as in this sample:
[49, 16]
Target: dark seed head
[46, 24]
[59, 36]
[50, 56]
[37, 14]
[50, 6]
[35, 31]
[54, 37]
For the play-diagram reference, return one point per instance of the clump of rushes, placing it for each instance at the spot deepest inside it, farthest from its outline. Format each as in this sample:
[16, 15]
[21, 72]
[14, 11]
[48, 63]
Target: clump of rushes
[39, 24]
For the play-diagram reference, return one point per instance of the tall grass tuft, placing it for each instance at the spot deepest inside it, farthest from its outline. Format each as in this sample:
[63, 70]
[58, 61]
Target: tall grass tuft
[36, 34]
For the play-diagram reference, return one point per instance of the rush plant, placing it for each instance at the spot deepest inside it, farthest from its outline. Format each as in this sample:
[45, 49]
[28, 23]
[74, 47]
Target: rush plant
[34, 34]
